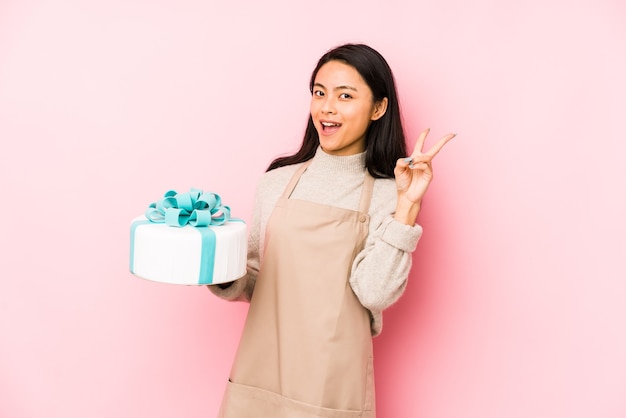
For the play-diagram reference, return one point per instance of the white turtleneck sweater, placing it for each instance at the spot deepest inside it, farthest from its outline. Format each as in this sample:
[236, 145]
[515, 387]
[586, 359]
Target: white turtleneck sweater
[380, 271]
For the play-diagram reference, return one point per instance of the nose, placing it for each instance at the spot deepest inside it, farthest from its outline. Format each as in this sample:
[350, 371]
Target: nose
[329, 106]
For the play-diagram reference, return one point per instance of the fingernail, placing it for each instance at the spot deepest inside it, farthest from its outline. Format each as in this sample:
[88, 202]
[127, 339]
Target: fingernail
[408, 160]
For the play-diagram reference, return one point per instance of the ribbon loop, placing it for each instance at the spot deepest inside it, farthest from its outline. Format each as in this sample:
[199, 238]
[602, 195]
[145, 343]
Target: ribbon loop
[196, 208]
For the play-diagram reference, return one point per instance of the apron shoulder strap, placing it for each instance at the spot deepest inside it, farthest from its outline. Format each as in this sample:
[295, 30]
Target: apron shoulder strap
[294, 180]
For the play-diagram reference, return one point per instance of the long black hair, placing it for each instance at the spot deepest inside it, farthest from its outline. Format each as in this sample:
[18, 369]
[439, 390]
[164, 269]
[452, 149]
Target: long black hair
[384, 141]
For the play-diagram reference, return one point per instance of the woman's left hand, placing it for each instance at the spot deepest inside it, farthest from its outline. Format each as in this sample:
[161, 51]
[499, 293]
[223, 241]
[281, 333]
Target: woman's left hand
[414, 173]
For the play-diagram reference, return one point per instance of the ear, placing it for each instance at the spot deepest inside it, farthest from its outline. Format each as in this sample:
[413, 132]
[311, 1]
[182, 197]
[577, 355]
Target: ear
[380, 107]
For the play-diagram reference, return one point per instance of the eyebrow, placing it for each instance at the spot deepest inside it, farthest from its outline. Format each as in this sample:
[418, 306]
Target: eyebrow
[336, 88]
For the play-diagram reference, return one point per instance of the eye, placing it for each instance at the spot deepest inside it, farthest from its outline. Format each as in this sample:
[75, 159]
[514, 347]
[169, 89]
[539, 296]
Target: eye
[345, 96]
[318, 93]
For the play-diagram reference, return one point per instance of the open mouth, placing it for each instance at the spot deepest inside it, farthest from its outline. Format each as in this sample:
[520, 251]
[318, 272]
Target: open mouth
[329, 127]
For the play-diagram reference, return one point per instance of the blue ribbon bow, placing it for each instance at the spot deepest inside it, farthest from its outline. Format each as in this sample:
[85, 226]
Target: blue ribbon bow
[196, 208]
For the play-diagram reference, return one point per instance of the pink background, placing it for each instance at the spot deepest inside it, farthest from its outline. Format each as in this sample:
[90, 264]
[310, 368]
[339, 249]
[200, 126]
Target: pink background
[516, 305]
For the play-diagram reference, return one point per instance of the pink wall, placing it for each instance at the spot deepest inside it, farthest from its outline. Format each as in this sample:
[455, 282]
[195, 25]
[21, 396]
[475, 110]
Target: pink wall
[515, 306]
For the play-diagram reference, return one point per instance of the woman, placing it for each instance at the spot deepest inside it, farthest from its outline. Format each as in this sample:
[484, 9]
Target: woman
[330, 248]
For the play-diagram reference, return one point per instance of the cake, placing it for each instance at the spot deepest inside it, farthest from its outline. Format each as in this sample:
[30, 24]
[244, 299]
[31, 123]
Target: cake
[190, 239]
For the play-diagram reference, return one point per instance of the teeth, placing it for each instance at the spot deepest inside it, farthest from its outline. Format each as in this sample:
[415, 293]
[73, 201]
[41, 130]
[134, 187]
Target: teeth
[329, 124]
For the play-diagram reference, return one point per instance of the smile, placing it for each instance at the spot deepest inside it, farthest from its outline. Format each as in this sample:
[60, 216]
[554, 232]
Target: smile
[330, 127]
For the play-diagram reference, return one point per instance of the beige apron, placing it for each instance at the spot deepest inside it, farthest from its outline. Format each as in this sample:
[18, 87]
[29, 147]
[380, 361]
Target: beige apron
[306, 348]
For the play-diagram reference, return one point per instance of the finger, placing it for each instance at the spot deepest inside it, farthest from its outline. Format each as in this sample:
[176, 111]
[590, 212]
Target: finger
[420, 165]
[402, 166]
[437, 147]
[419, 144]
[404, 163]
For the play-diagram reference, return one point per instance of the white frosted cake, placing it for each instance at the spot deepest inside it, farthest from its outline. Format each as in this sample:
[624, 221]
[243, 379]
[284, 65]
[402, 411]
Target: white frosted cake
[175, 243]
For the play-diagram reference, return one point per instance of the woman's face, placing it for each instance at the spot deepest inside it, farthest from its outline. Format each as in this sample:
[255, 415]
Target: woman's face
[342, 108]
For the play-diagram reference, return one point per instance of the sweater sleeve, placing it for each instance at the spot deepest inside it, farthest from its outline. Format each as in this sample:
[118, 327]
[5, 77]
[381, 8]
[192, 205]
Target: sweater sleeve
[381, 269]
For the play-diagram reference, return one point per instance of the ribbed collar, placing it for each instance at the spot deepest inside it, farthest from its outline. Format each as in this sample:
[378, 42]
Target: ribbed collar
[353, 164]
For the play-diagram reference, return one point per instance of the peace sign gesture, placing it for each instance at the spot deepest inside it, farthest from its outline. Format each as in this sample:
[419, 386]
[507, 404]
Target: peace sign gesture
[413, 176]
